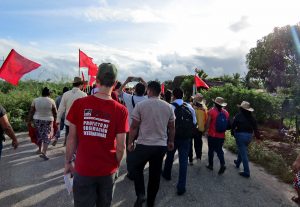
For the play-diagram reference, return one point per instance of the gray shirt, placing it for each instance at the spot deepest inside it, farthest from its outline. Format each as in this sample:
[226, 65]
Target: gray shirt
[154, 115]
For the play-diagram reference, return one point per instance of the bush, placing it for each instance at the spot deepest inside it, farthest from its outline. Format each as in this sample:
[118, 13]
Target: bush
[271, 161]
[266, 105]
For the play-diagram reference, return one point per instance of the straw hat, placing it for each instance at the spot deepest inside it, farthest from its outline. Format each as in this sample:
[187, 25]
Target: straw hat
[198, 97]
[246, 105]
[79, 80]
[220, 101]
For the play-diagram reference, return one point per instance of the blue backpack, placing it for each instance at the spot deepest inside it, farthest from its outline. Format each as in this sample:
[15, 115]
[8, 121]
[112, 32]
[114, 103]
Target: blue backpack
[221, 122]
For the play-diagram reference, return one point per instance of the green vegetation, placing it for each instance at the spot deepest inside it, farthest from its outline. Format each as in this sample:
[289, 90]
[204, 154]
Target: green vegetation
[273, 162]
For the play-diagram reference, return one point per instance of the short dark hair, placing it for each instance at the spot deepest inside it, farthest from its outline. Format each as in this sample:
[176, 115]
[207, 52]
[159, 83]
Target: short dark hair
[140, 89]
[154, 86]
[178, 93]
[168, 96]
[45, 92]
[77, 84]
[65, 89]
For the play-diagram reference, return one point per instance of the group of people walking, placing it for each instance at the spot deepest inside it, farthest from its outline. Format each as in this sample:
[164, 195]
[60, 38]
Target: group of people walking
[99, 130]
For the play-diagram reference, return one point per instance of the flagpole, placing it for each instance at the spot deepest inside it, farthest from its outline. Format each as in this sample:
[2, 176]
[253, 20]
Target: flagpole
[79, 62]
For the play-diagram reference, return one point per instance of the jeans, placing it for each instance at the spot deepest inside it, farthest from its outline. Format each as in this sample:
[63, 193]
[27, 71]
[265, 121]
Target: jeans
[242, 141]
[215, 145]
[183, 146]
[197, 136]
[90, 191]
[140, 156]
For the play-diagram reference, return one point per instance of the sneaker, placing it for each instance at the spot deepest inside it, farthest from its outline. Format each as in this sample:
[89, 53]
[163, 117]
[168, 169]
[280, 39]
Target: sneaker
[236, 164]
[222, 170]
[245, 175]
[44, 157]
[54, 142]
[209, 167]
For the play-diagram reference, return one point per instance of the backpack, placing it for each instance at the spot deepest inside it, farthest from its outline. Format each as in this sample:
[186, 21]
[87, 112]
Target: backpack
[221, 122]
[184, 122]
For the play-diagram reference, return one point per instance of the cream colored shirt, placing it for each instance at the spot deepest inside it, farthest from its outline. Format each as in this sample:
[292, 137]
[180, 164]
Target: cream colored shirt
[154, 115]
[43, 108]
[66, 102]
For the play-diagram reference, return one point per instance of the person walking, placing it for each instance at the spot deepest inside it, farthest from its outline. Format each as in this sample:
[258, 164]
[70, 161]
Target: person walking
[62, 120]
[243, 126]
[201, 116]
[43, 113]
[130, 103]
[67, 100]
[98, 127]
[216, 125]
[6, 128]
[184, 124]
[151, 119]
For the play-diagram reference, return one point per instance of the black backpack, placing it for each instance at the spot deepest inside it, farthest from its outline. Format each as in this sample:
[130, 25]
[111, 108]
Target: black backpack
[184, 122]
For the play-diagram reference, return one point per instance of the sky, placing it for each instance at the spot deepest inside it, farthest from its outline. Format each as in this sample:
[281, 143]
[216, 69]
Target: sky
[150, 39]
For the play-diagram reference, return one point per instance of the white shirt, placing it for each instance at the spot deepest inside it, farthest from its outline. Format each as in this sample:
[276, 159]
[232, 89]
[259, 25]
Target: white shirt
[128, 102]
[43, 108]
[180, 102]
[66, 102]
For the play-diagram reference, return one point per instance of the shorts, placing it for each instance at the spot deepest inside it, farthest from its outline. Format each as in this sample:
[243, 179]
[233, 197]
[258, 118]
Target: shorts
[297, 181]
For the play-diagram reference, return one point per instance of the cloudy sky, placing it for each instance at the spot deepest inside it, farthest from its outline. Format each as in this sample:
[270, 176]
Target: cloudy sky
[153, 39]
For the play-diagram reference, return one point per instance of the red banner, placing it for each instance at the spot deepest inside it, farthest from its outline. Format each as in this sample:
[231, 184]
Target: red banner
[84, 60]
[15, 66]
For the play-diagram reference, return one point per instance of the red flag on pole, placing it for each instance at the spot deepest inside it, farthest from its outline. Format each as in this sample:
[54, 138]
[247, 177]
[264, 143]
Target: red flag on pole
[200, 83]
[84, 60]
[15, 66]
[92, 80]
[162, 88]
[93, 69]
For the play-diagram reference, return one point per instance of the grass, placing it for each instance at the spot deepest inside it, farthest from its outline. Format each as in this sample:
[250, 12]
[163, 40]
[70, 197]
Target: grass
[274, 163]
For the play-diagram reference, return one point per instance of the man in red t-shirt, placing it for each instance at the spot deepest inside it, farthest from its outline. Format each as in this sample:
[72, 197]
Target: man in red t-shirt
[98, 127]
[216, 137]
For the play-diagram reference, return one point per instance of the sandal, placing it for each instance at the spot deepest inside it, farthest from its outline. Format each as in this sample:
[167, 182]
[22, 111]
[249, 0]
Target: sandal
[296, 199]
[44, 157]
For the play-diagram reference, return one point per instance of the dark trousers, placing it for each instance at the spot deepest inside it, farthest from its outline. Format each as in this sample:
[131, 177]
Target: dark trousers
[67, 133]
[183, 147]
[1, 147]
[197, 137]
[215, 145]
[129, 158]
[141, 155]
[90, 191]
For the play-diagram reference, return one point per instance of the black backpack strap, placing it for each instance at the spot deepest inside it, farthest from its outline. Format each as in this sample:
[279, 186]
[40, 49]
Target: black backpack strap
[175, 104]
[132, 101]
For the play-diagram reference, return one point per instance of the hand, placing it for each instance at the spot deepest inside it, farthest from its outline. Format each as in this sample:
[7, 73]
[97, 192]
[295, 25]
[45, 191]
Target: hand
[129, 79]
[170, 146]
[130, 147]
[69, 168]
[15, 144]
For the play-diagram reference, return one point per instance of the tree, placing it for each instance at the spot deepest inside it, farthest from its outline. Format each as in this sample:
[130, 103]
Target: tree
[275, 60]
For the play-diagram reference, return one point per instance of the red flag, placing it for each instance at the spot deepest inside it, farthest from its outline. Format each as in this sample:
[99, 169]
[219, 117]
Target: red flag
[92, 80]
[200, 83]
[15, 66]
[162, 88]
[93, 69]
[84, 60]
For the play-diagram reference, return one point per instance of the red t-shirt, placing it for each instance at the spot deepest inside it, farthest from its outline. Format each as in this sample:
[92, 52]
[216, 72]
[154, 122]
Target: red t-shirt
[97, 123]
[213, 113]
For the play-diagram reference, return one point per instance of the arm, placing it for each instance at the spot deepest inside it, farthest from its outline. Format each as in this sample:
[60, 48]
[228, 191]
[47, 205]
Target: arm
[296, 164]
[5, 125]
[143, 82]
[120, 90]
[54, 112]
[134, 128]
[121, 138]
[72, 143]
[171, 135]
[31, 113]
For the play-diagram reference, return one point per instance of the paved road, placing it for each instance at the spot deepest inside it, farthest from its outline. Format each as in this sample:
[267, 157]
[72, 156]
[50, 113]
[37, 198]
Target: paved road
[27, 180]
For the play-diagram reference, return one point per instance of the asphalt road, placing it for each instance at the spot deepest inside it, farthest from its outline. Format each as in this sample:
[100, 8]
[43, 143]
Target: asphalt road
[27, 180]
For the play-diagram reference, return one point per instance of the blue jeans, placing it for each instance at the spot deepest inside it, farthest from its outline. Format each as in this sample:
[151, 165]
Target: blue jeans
[215, 145]
[242, 141]
[183, 146]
